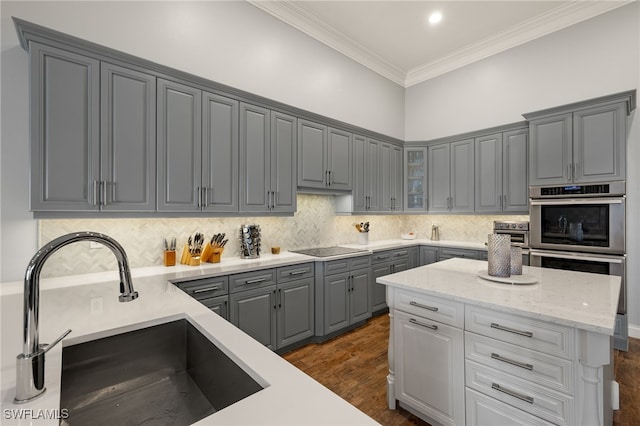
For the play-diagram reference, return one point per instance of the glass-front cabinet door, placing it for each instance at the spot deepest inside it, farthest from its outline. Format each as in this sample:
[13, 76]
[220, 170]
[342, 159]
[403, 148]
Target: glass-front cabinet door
[415, 160]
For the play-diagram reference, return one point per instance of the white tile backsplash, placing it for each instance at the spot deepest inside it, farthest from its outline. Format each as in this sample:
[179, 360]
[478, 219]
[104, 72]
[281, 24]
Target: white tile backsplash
[313, 225]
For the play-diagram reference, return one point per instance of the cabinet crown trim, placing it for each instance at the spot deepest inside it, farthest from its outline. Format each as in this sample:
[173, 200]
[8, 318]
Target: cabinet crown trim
[629, 97]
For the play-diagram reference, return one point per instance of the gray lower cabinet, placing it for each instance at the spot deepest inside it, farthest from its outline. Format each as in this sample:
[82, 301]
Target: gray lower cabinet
[414, 257]
[445, 253]
[501, 178]
[211, 292]
[324, 157]
[344, 297]
[274, 306]
[385, 263]
[587, 144]
[428, 255]
[93, 134]
[366, 174]
[451, 177]
[268, 144]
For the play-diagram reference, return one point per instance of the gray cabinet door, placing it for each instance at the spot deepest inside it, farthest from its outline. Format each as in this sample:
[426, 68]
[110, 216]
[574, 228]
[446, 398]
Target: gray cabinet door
[65, 105]
[295, 311]
[128, 139]
[550, 150]
[179, 142]
[374, 176]
[599, 143]
[339, 159]
[255, 158]
[462, 176]
[359, 173]
[515, 171]
[219, 153]
[284, 144]
[379, 291]
[414, 257]
[439, 178]
[385, 177]
[360, 305]
[312, 155]
[336, 301]
[428, 255]
[396, 178]
[488, 173]
[254, 312]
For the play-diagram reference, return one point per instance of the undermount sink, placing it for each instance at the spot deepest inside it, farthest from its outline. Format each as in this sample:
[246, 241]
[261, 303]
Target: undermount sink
[169, 374]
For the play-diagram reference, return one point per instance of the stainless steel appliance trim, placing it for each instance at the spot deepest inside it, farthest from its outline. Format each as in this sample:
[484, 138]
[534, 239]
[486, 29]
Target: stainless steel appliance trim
[578, 256]
[616, 188]
[573, 201]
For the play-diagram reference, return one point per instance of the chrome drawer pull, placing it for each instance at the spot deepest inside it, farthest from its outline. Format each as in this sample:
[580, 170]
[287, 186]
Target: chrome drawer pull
[512, 362]
[202, 290]
[401, 253]
[430, 308]
[514, 394]
[431, 327]
[256, 281]
[297, 272]
[382, 257]
[511, 330]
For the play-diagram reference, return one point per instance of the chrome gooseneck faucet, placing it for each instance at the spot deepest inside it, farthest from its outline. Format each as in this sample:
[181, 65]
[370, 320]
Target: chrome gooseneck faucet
[30, 363]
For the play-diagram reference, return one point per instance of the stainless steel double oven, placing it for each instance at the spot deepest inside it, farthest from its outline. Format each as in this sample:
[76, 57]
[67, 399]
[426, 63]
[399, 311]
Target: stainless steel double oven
[582, 228]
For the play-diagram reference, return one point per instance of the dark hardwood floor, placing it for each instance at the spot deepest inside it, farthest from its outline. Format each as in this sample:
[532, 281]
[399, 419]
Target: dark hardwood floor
[354, 366]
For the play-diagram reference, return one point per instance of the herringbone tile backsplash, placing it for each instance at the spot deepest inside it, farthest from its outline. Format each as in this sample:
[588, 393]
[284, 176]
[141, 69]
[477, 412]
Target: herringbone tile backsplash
[313, 225]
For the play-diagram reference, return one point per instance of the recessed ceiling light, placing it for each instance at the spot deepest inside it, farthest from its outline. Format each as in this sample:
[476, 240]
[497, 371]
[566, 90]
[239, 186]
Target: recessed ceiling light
[435, 17]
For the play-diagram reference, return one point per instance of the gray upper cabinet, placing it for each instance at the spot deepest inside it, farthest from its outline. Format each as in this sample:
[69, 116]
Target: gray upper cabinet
[324, 157]
[391, 179]
[267, 160]
[585, 142]
[219, 153]
[415, 179]
[501, 172]
[65, 130]
[128, 140]
[451, 177]
[179, 147]
[366, 174]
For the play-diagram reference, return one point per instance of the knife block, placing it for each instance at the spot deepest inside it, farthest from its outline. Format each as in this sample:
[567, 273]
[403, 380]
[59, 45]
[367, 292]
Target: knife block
[187, 258]
[211, 253]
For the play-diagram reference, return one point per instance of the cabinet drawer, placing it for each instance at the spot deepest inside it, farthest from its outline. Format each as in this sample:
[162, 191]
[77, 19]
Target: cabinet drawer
[205, 288]
[295, 272]
[538, 400]
[447, 253]
[249, 280]
[433, 308]
[400, 254]
[545, 370]
[219, 305]
[381, 257]
[483, 410]
[534, 334]
[347, 264]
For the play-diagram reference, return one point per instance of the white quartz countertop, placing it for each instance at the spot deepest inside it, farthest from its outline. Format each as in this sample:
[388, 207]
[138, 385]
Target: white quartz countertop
[576, 299]
[399, 243]
[92, 311]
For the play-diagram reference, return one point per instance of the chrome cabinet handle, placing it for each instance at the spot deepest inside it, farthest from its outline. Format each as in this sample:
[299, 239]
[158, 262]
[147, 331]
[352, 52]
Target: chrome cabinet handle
[330, 179]
[279, 298]
[511, 330]
[256, 281]
[569, 172]
[419, 305]
[275, 300]
[300, 272]
[199, 195]
[326, 177]
[95, 192]
[382, 257]
[512, 362]
[512, 393]
[401, 253]
[429, 326]
[203, 290]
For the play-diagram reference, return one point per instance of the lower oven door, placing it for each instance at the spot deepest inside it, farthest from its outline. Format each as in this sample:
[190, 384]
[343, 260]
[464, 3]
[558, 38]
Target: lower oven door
[585, 262]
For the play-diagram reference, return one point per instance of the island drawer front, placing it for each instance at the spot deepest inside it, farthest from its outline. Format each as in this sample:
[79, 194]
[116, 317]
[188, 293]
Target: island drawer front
[546, 370]
[540, 401]
[206, 287]
[530, 333]
[250, 280]
[483, 410]
[295, 272]
[430, 307]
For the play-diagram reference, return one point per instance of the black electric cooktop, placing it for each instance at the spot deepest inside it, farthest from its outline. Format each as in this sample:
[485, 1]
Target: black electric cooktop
[328, 251]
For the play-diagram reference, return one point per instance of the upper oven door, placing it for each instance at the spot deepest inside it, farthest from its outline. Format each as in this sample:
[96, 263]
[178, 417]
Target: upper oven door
[594, 225]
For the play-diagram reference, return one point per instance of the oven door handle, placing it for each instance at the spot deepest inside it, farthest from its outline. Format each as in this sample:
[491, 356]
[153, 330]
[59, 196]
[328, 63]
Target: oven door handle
[565, 201]
[576, 256]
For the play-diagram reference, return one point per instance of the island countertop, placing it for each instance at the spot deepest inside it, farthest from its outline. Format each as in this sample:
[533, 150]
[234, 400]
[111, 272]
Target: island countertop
[576, 299]
[92, 311]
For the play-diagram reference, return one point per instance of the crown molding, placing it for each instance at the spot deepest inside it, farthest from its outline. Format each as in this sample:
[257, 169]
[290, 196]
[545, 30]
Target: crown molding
[301, 19]
[566, 15]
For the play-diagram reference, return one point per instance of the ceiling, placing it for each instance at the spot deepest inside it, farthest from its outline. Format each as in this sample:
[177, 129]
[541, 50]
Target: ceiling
[394, 38]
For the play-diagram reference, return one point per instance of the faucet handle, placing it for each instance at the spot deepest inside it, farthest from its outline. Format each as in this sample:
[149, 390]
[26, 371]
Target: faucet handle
[48, 346]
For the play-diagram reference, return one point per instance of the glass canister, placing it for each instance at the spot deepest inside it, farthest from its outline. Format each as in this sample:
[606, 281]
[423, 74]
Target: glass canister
[499, 255]
[516, 260]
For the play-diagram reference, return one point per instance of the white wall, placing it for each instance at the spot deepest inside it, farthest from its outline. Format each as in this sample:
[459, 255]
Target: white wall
[233, 43]
[598, 57]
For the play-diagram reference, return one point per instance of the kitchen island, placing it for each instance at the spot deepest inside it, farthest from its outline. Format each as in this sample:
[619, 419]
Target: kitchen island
[89, 306]
[465, 350]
